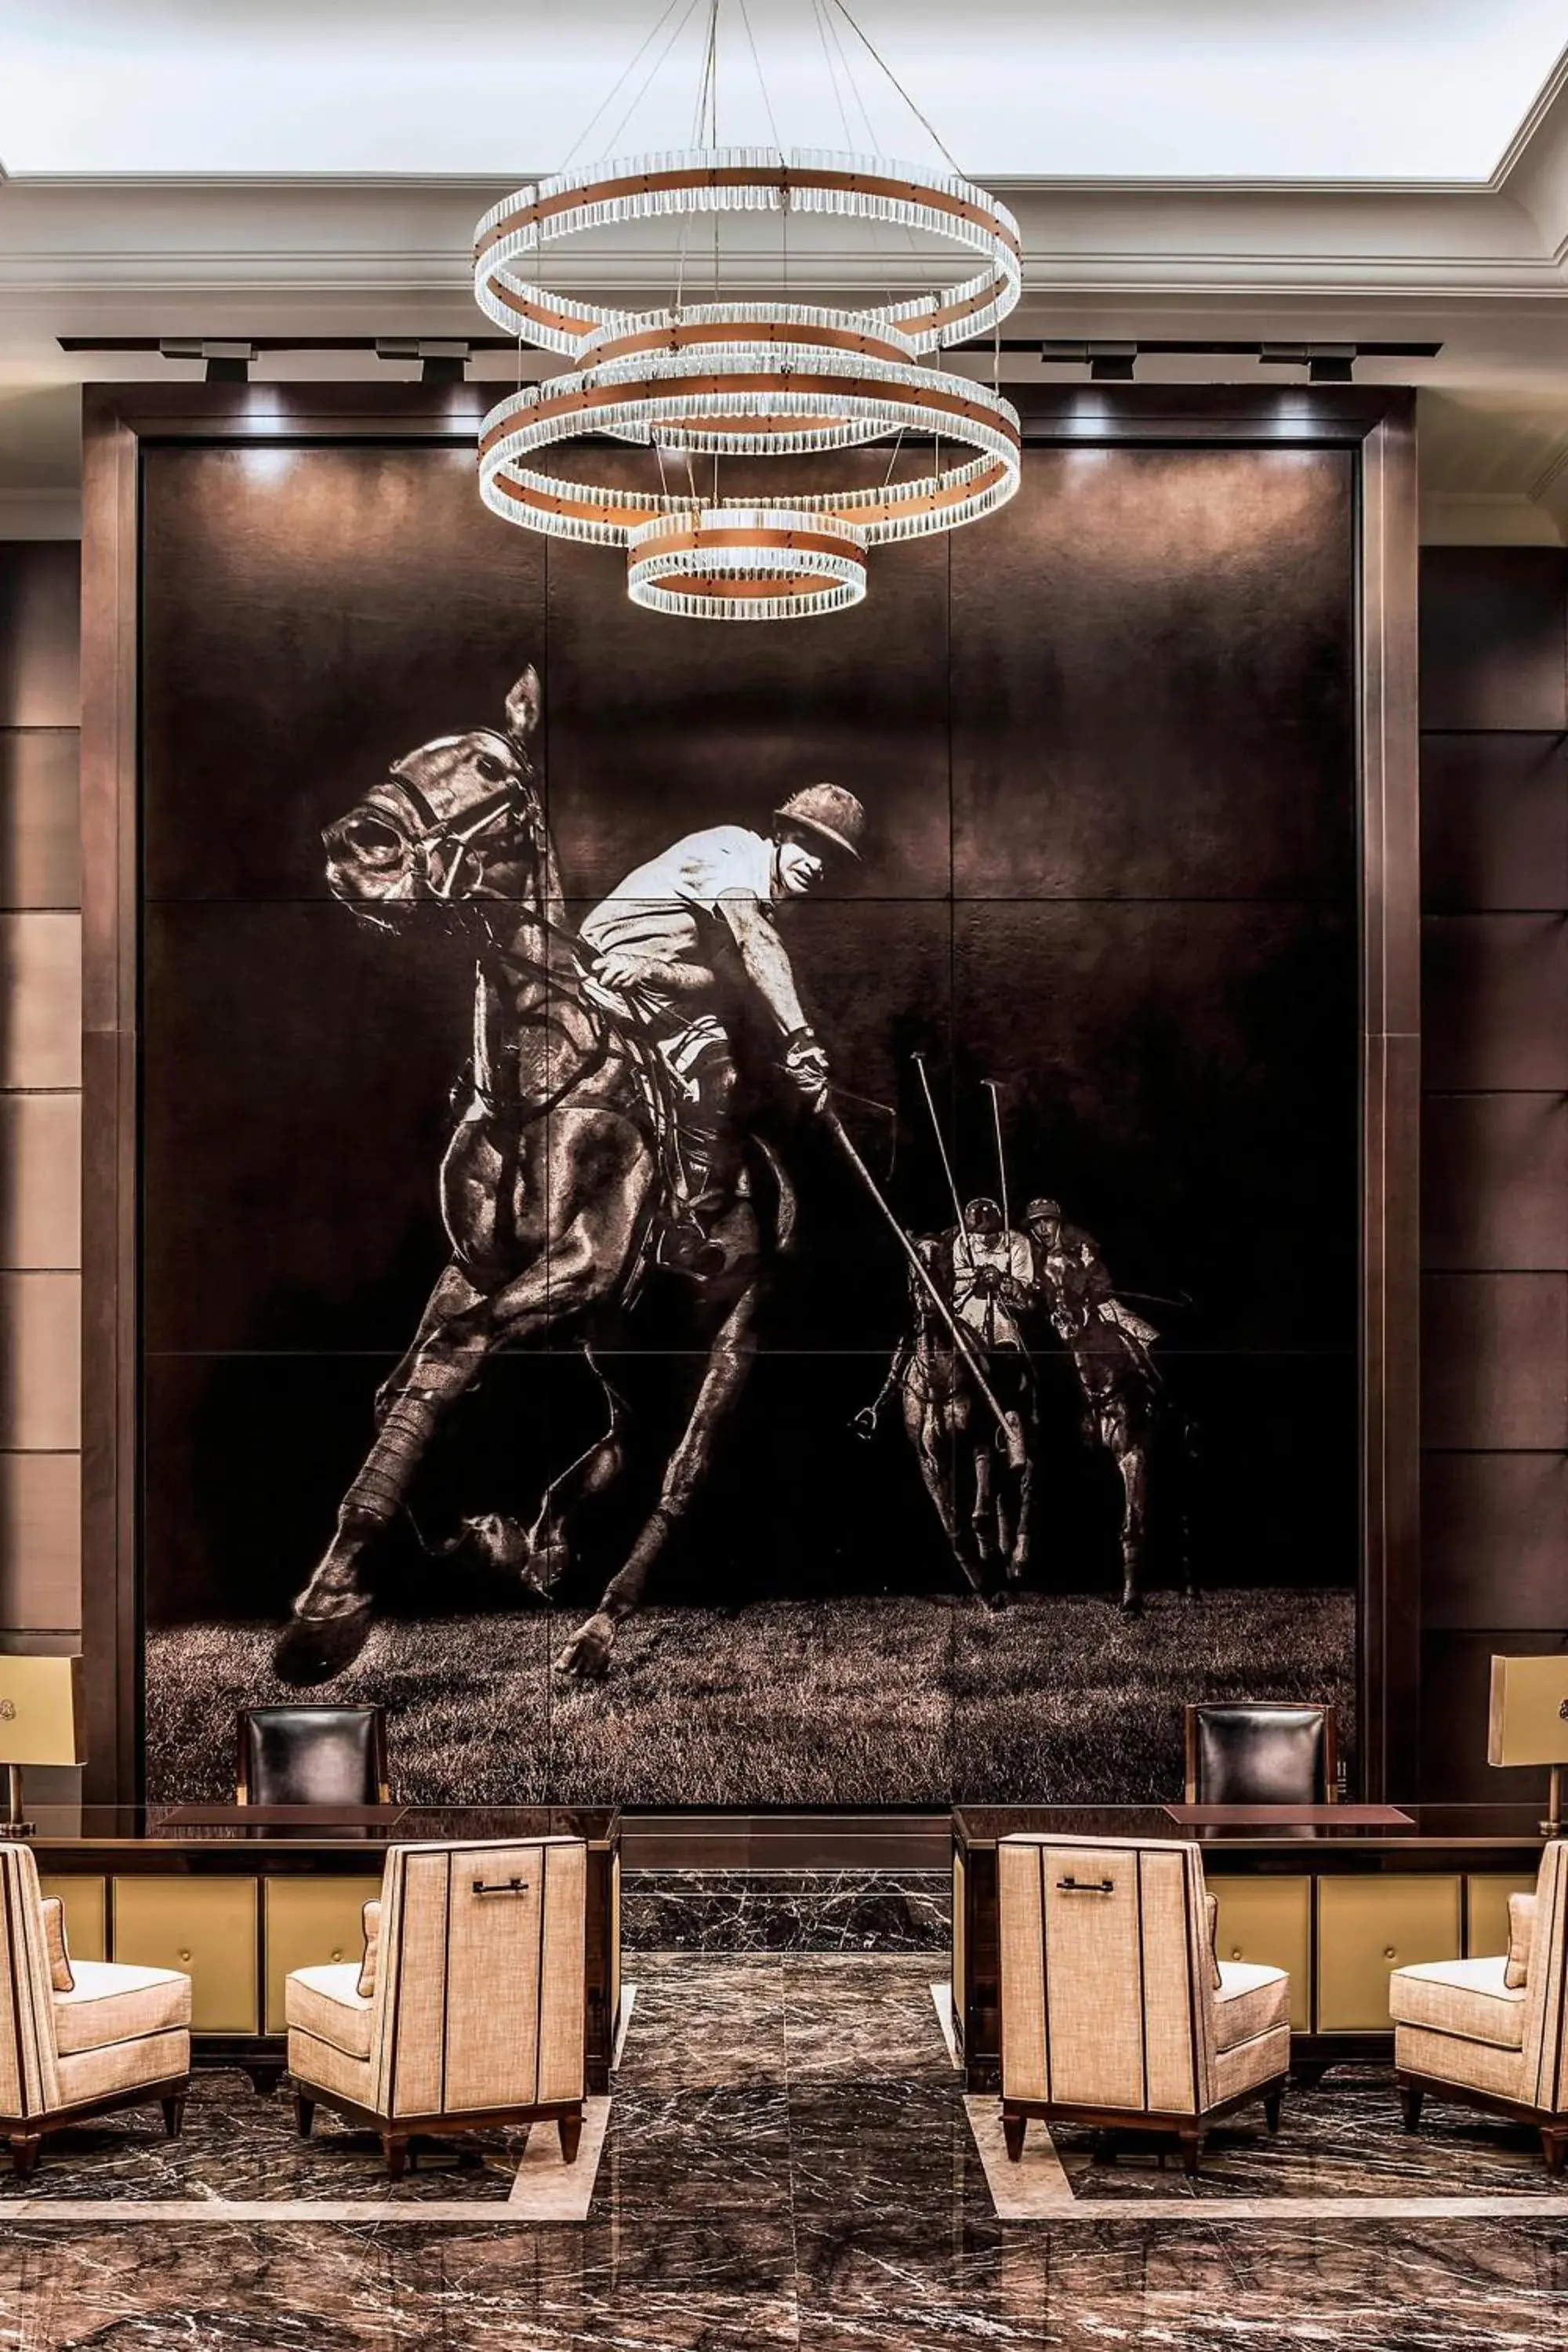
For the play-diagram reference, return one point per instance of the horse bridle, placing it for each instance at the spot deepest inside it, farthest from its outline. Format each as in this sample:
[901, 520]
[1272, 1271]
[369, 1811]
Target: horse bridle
[434, 840]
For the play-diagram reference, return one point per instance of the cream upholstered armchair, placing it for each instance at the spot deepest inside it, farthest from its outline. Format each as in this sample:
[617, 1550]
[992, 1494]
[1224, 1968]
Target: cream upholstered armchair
[469, 2010]
[1493, 2033]
[1114, 2011]
[79, 2038]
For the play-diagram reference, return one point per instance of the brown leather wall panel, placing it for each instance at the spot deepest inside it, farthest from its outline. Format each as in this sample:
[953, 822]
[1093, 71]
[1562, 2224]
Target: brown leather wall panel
[40, 847]
[40, 1541]
[1491, 1539]
[40, 989]
[1494, 989]
[40, 663]
[1492, 638]
[1494, 1360]
[41, 1362]
[1494, 1182]
[40, 1181]
[1494, 822]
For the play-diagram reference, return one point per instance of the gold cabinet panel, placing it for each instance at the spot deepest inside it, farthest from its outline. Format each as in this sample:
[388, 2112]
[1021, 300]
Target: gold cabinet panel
[310, 1923]
[1487, 1933]
[86, 1902]
[1267, 1922]
[1368, 1927]
[205, 1926]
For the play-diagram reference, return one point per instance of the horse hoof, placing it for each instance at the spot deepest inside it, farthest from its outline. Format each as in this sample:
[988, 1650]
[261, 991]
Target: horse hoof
[587, 1654]
[998, 1600]
[1133, 1604]
[314, 1649]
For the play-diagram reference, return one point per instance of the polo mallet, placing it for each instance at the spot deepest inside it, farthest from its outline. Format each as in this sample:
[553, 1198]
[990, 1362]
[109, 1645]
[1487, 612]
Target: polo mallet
[1009, 1423]
[994, 1090]
[919, 1062]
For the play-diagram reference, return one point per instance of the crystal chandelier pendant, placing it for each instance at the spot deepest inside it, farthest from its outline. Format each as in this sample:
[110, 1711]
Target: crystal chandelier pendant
[749, 379]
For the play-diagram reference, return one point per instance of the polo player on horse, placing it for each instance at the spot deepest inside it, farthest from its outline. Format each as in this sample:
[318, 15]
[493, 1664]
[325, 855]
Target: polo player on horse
[657, 955]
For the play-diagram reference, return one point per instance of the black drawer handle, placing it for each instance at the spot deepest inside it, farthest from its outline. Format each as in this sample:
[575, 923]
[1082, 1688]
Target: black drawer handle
[506, 1886]
[1086, 1887]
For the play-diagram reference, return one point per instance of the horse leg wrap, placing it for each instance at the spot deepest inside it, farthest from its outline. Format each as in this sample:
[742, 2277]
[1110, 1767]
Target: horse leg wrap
[377, 1492]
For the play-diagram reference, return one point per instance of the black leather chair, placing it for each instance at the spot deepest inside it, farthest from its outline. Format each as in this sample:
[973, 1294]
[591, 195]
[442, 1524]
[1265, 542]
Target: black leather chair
[1261, 1751]
[311, 1756]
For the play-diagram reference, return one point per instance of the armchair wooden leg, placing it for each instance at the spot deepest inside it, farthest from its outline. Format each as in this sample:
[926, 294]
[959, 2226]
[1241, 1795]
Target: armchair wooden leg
[24, 2146]
[1271, 2100]
[571, 2130]
[1013, 2130]
[1554, 2147]
[304, 2114]
[1410, 2097]
[394, 2147]
[173, 2114]
[1192, 2148]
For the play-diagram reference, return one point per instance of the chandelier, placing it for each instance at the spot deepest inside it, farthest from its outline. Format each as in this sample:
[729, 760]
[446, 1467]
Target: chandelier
[722, 379]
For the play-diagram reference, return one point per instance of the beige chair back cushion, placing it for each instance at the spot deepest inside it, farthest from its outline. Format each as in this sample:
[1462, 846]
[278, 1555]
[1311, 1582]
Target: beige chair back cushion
[29, 2078]
[1546, 2000]
[1105, 1974]
[479, 1994]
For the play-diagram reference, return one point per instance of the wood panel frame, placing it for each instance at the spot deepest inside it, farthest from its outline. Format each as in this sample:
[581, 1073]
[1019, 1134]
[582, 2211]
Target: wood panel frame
[1377, 427]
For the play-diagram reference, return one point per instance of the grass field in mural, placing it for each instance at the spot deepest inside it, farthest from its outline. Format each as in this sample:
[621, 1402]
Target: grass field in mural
[1057, 1698]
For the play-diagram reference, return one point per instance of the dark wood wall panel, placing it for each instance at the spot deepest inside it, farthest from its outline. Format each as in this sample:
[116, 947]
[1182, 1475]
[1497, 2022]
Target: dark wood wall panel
[1494, 822]
[1494, 1224]
[1494, 1182]
[1493, 621]
[1491, 1527]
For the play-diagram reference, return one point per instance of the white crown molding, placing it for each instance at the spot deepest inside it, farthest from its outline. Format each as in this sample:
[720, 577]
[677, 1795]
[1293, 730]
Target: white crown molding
[64, 245]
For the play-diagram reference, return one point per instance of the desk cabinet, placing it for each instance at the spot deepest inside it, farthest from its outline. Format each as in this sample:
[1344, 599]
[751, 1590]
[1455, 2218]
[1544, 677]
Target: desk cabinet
[309, 1923]
[1368, 1927]
[205, 1926]
[1268, 1921]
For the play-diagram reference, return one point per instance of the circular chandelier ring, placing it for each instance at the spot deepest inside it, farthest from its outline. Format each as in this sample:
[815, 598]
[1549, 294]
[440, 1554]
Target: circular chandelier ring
[647, 188]
[746, 563]
[726, 398]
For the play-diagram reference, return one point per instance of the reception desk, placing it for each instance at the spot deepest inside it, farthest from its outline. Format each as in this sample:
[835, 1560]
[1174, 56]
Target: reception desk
[1339, 1907]
[237, 1897]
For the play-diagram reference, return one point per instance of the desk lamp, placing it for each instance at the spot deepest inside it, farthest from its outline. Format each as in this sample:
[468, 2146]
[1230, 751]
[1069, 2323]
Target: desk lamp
[1528, 1722]
[40, 1723]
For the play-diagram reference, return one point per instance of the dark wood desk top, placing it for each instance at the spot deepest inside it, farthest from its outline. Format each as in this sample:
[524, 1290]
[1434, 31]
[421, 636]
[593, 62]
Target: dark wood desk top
[1335, 1827]
[256, 1829]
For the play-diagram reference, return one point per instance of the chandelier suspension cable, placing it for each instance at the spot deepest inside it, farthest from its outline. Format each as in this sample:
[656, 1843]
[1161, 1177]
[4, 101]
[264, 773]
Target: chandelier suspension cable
[880, 62]
[621, 80]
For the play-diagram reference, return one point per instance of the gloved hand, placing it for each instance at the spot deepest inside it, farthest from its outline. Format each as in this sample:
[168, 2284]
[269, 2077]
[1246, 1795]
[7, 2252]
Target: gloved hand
[987, 1281]
[806, 1061]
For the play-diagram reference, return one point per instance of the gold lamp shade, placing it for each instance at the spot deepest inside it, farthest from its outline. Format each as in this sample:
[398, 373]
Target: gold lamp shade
[1527, 1720]
[40, 1723]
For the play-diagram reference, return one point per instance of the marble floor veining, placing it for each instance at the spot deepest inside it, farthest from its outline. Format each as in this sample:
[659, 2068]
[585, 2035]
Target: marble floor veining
[788, 2161]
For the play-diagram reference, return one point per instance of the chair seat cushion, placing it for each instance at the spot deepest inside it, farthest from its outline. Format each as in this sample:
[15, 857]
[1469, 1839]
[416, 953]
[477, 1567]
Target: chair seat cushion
[111, 2003]
[1251, 2000]
[326, 2003]
[1468, 1997]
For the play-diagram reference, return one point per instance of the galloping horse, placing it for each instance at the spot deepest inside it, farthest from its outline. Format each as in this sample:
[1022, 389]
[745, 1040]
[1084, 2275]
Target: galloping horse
[551, 1187]
[980, 1492]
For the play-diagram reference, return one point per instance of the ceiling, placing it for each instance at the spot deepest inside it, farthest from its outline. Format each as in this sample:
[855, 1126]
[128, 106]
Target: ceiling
[1344, 169]
[1389, 91]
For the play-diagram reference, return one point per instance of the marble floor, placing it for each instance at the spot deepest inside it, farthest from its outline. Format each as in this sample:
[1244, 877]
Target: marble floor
[789, 2162]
